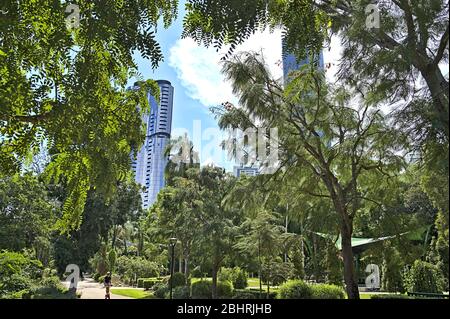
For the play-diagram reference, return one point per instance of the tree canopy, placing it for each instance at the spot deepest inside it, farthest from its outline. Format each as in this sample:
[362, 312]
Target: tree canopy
[63, 87]
[410, 40]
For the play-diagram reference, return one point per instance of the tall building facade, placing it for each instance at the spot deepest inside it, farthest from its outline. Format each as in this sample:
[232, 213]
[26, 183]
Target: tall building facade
[290, 63]
[150, 163]
[244, 170]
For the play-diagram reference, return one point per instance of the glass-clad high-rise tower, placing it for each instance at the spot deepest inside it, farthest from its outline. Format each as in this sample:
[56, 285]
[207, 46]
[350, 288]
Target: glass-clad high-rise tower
[290, 63]
[150, 163]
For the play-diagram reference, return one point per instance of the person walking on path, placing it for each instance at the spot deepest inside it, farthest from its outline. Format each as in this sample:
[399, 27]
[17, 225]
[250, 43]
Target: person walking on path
[108, 285]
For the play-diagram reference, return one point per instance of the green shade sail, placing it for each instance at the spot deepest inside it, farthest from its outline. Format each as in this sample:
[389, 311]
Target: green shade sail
[361, 244]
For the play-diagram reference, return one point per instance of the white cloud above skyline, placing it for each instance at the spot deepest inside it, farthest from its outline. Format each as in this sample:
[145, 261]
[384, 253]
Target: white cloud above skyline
[199, 68]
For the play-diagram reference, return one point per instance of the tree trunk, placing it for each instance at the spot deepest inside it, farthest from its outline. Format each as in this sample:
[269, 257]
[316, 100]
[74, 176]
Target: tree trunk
[214, 281]
[187, 270]
[180, 264]
[351, 284]
[314, 258]
[438, 87]
[260, 268]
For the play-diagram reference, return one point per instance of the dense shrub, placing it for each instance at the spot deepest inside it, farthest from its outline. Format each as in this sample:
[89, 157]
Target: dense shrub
[181, 292]
[295, 289]
[160, 290]
[18, 273]
[224, 289]
[323, 291]
[202, 290]
[49, 287]
[391, 273]
[140, 283]
[178, 280]
[237, 276]
[245, 294]
[96, 277]
[136, 266]
[424, 277]
[241, 280]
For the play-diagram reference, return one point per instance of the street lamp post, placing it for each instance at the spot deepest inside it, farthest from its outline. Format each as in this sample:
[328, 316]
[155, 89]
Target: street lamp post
[173, 242]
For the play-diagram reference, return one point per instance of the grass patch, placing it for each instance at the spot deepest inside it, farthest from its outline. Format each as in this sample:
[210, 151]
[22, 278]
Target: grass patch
[133, 293]
[365, 296]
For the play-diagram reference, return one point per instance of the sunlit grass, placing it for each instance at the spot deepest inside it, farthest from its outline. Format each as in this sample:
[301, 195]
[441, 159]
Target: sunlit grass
[132, 293]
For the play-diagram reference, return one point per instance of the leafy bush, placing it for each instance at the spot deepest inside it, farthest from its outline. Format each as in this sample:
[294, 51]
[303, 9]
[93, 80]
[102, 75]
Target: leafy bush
[160, 290]
[181, 292]
[240, 280]
[237, 276]
[18, 273]
[52, 283]
[245, 294]
[393, 264]
[295, 289]
[224, 289]
[323, 291]
[140, 283]
[96, 277]
[50, 287]
[178, 280]
[202, 289]
[136, 266]
[424, 277]
[276, 272]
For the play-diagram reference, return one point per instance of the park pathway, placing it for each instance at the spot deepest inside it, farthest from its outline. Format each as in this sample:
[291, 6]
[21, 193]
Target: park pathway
[90, 289]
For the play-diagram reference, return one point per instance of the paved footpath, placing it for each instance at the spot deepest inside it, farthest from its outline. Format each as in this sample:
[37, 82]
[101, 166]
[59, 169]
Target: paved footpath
[91, 289]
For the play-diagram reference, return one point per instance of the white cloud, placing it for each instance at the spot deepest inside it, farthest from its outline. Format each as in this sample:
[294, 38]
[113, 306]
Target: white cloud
[199, 68]
[332, 56]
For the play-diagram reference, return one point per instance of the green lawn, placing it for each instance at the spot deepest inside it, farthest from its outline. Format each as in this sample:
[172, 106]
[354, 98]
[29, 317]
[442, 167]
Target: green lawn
[133, 293]
[365, 296]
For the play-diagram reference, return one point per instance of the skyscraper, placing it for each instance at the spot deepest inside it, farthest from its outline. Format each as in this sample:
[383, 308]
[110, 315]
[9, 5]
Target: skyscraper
[290, 63]
[150, 163]
[244, 170]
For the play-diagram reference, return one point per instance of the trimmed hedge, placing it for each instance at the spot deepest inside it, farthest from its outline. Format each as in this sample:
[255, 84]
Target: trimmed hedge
[149, 283]
[140, 283]
[295, 289]
[324, 291]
